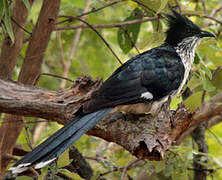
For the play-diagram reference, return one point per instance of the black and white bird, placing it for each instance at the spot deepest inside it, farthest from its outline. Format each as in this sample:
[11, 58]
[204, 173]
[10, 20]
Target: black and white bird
[147, 78]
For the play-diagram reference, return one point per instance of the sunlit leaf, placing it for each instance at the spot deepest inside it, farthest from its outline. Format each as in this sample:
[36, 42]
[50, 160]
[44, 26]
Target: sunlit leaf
[69, 174]
[162, 6]
[172, 3]
[27, 4]
[196, 59]
[194, 82]
[194, 101]
[206, 69]
[207, 85]
[63, 159]
[217, 80]
[157, 25]
[153, 5]
[159, 166]
[127, 36]
[1, 10]
[44, 172]
[23, 178]
[7, 21]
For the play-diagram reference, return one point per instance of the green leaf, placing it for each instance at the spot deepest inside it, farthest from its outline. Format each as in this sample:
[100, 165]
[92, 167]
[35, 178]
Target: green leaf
[194, 82]
[162, 6]
[154, 5]
[194, 101]
[44, 172]
[206, 70]
[217, 80]
[63, 159]
[207, 85]
[196, 59]
[7, 21]
[23, 178]
[157, 25]
[127, 36]
[27, 5]
[1, 10]
[69, 174]
[160, 166]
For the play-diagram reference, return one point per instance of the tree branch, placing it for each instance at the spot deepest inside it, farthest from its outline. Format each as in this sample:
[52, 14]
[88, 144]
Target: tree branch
[145, 137]
[115, 25]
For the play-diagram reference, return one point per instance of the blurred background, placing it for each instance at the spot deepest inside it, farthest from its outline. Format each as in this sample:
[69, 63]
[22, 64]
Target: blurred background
[129, 27]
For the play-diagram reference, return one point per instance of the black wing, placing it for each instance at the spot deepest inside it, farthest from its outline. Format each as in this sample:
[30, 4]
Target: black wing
[158, 71]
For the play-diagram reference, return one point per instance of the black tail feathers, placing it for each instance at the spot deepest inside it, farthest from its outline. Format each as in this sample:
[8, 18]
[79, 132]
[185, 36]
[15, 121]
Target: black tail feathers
[50, 149]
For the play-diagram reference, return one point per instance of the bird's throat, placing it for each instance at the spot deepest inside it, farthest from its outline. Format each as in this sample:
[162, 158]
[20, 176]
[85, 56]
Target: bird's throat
[186, 51]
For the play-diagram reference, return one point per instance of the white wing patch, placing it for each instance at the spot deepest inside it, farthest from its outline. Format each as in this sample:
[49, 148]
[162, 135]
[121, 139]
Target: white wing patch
[20, 168]
[16, 170]
[42, 164]
[147, 95]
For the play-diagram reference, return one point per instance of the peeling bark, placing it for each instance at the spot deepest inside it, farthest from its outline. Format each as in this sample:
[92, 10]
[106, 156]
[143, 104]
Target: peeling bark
[145, 137]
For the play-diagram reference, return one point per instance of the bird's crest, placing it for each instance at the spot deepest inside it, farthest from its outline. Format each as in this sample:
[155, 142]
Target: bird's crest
[179, 27]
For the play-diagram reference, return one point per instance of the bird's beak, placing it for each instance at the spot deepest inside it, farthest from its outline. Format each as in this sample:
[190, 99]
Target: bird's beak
[207, 34]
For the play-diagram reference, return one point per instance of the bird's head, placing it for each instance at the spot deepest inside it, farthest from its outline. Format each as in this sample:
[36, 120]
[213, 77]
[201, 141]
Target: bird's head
[181, 28]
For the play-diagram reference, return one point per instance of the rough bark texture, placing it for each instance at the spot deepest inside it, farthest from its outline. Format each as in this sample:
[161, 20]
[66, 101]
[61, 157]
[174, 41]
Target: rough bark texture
[146, 137]
[40, 37]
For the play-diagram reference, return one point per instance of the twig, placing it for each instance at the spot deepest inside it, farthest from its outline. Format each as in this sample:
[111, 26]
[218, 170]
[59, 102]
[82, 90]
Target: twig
[215, 136]
[89, 12]
[75, 43]
[26, 122]
[115, 25]
[124, 172]
[212, 14]
[34, 171]
[141, 4]
[178, 5]
[107, 44]
[133, 44]
[53, 75]
[204, 7]
[58, 34]
[28, 138]
[122, 169]
[204, 16]
[203, 96]
[20, 26]
[215, 11]
[129, 166]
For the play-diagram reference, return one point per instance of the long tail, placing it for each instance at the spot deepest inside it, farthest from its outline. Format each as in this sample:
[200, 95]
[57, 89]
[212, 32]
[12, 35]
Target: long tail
[50, 149]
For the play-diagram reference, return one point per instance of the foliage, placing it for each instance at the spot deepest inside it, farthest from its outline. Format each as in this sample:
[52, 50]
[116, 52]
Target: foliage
[94, 58]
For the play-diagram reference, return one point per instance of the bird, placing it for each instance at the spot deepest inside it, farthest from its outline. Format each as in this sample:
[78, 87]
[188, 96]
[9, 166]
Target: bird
[147, 78]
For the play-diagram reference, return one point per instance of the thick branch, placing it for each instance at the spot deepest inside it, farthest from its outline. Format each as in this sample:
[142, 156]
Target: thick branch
[145, 137]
